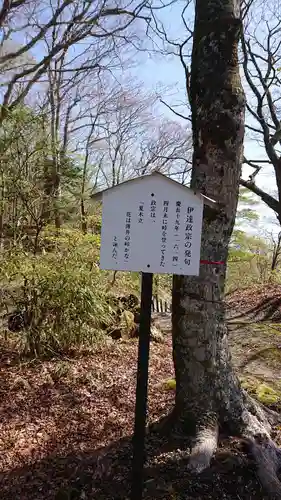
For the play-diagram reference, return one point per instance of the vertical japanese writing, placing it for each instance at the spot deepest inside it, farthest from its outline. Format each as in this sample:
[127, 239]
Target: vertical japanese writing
[127, 242]
[164, 230]
[188, 236]
[176, 245]
[140, 212]
[153, 210]
[114, 249]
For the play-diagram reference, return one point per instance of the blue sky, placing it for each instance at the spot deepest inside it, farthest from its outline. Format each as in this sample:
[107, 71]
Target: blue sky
[164, 75]
[157, 71]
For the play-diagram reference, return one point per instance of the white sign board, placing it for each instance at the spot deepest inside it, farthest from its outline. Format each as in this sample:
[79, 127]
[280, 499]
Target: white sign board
[151, 224]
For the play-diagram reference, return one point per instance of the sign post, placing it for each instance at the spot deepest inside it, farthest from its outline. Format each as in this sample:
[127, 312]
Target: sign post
[142, 383]
[151, 225]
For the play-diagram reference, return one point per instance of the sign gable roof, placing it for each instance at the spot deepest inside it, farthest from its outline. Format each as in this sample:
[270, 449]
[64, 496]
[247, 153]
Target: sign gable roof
[207, 201]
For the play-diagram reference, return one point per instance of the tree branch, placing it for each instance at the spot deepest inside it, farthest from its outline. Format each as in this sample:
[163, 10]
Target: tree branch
[259, 115]
[175, 112]
[265, 197]
[7, 6]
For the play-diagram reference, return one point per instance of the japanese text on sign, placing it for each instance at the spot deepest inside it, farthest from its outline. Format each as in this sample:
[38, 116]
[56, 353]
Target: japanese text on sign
[141, 212]
[153, 209]
[127, 242]
[164, 230]
[115, 248]
[176, 245]
[188, 236]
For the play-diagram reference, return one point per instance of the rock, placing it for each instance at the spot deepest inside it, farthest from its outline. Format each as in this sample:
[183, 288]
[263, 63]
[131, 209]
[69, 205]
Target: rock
[126, 320]
[133, 301]
[129, 302]
[137, 315]
[103, 325]
[135, 332]
[112, 300]
[124, 328]
[127, 324]
[116, 334]
[18, 320]
[156, 334]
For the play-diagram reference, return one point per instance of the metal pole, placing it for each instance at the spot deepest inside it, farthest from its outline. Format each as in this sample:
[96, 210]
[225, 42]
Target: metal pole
[141, 392]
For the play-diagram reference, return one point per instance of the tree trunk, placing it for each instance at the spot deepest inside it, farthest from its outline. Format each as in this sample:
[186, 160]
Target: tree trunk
[57, 153]
[276, 253]
[2, 208]
[208, 393]
[84, 225]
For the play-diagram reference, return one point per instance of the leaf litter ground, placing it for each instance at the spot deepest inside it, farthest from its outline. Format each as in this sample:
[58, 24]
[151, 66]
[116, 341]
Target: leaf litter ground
[66, 426]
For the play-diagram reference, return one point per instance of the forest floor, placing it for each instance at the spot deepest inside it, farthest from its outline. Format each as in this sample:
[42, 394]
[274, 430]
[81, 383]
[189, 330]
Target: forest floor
[66, 425]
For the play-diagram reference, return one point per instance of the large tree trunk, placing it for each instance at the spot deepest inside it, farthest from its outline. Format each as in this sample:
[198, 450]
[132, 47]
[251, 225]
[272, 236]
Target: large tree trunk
[208, 394]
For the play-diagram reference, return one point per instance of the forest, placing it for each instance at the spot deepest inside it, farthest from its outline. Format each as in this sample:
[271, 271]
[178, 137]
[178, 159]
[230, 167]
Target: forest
[95, 93]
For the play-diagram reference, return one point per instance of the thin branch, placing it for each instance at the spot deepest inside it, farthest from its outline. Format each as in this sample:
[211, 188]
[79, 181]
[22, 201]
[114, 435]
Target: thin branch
[39, 36]
[253, 129]
[175, 112]
[259, 113]
[7, 6]
[264, 85]
[269, 200]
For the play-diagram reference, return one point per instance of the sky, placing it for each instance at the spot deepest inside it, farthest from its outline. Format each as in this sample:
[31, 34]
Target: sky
[164, 75]
[156, 71]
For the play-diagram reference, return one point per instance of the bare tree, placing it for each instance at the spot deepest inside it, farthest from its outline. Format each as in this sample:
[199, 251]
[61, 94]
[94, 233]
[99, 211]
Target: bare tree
[22, 175]
[126, 120]
[76, 44]
[72, 22]
[261, 50]
[138, 140]
[168, 149]
[8, 8]
[90, 170]
[261, 63]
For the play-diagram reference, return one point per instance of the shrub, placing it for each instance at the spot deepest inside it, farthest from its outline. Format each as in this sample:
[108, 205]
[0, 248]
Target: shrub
[62, 293]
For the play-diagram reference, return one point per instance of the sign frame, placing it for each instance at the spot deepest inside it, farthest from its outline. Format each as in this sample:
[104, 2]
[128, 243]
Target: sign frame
[151, 224]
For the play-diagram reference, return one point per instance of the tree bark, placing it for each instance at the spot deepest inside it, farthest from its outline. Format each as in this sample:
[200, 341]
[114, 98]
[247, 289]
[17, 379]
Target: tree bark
[84, 225]
[276, 253]
[208, 394]
[2, 205]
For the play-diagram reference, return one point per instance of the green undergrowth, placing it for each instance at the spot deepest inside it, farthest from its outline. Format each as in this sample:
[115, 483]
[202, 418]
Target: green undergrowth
[170, 384]
[267, 393]
[61, 293]
[263, 392]
[261, 327]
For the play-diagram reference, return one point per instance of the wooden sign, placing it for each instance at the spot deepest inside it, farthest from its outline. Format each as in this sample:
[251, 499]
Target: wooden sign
[151, 224]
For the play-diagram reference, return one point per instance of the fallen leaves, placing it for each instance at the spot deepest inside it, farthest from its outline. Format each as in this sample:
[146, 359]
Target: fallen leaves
[66, 427]
[261, 302]
[64, 406]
